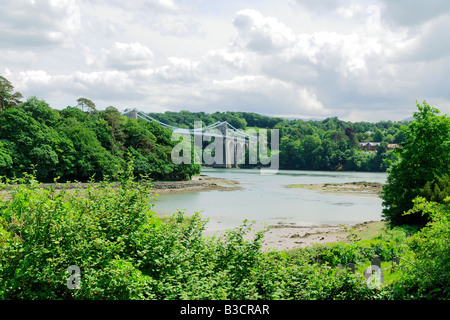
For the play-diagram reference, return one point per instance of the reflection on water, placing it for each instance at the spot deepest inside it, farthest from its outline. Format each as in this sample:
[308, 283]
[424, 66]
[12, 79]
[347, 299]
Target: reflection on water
[265, 199]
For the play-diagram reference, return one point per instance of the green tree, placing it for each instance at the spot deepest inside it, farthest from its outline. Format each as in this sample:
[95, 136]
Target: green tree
[41, 111]
[424, 157]
[5, 160]
[91, 158]
[86, 105]
[116, 122]
[437, 191]
[8, 99]
[32, 144]
[378, 136]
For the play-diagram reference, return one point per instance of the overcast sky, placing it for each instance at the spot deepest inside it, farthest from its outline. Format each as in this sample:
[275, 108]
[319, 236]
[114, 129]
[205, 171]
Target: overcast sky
[359, 60]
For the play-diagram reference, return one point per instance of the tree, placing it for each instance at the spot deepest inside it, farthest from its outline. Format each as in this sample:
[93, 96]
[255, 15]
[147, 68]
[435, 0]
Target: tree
[115, 121]
[91, 158]
[5, 160]
[8, 99]
[41, 111]
[424, 157]
[437, 191]
[31, 144]
[86, 105]
[378, 136]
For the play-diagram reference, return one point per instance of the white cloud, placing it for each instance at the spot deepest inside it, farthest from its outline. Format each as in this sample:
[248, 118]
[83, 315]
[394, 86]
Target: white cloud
[32, 23]
[350, 12]
[124, 56]
[261, 34]
[414, 12]
[177, 26]
[432, 41]
[269, 96]
[178, 70]
[163, 4]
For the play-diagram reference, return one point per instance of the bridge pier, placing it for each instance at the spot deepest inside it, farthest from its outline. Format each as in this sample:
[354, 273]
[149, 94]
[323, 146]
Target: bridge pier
[226, 161]
[132, 114]
[233, 150]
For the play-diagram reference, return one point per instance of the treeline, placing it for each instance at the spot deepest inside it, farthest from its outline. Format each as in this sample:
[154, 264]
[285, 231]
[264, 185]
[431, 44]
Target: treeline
[80, 142]
[329, 144]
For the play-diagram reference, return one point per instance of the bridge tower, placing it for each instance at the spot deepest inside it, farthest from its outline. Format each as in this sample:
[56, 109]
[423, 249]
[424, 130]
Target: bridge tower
[226, 150]
[233, 149]
[132, 114]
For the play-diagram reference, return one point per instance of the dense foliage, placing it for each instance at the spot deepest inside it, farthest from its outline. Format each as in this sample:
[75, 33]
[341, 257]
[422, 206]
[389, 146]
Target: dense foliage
[77, 143]
[424, 162]
[124, 251]
[427, 275]
[329, 144]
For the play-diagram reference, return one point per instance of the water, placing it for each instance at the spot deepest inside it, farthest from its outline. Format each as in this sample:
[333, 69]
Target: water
[266, 200]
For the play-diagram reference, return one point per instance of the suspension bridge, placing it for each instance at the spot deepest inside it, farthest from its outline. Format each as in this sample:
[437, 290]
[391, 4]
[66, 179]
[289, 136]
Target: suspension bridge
[234, 141]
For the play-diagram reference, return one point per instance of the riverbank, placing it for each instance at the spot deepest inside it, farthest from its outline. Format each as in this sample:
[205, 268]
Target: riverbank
[289, 237]
[360, 187]
[197, 183]
[285, 237]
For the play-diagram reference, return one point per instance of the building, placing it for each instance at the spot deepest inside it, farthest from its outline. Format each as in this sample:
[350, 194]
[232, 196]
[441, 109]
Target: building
[369, 146]
[372, 146]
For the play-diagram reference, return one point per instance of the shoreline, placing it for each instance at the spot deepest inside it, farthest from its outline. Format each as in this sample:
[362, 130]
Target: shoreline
[291, 237]
[285, 237]
[196, 184]
[361, 187]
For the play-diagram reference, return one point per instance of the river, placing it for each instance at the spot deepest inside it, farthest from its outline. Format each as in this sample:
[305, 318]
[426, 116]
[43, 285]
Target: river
[265, 199]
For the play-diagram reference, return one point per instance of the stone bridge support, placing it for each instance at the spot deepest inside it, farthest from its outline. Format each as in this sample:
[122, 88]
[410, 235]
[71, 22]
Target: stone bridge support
[132, 114]
[233, 149]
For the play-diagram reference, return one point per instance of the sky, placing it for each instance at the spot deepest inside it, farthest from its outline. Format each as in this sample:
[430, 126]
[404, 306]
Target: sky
[367, 60]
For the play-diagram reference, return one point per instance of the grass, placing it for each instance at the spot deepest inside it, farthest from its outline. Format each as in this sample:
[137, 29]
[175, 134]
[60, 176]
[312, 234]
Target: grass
[368, 230]
[363, 233]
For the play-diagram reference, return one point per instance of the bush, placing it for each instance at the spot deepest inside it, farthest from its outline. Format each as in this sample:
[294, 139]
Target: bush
[124, 251]
[45, 230]
[386, 246]
[428, 268]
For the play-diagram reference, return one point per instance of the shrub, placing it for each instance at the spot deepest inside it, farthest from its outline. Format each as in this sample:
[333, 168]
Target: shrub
[428, 268]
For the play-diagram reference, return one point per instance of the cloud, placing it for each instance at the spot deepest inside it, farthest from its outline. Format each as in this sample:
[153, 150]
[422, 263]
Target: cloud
[177, 26]
[51, 22]
[347, 70]
[178, 70]
[267, 96]
[409, 13]
[430, 42]
[414, 12]
[138, 5]
[322, 6]
[350, 12]
[122, 56]
[166, 5]
[261, 34]
[108, 87]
